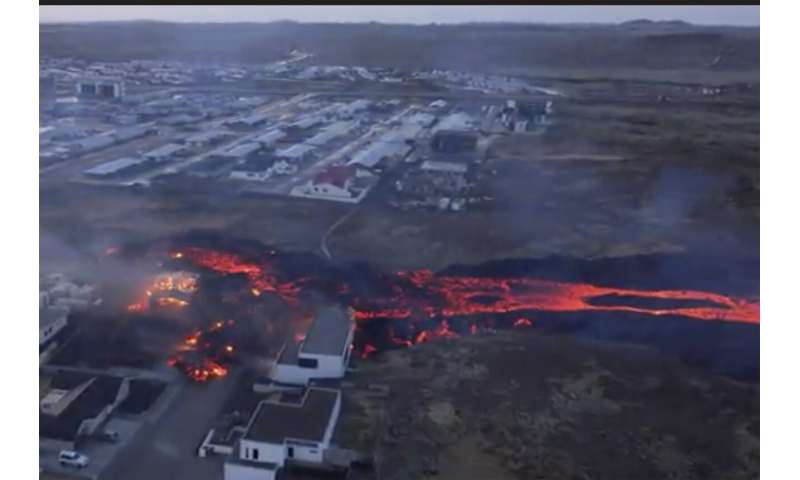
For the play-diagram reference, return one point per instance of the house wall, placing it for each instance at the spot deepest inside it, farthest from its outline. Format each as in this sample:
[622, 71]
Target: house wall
[328, 366]
[244, 472]
[326, 441]
[267, 452]
[51, 330]
[292, 374]
[305, 452]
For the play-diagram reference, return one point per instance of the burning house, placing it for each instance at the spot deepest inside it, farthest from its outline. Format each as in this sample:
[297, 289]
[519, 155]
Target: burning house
[289, 430]
[323, 353]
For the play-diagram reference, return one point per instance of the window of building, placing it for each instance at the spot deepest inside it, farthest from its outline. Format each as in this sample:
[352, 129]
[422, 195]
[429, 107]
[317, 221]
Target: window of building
[246, 453]
[307, 362]
[255, 454]
[290, 452]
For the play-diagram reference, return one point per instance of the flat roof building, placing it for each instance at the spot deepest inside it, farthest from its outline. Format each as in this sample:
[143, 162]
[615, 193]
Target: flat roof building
[288, 430]
[114, 167]
[446, 167]
[324, 353]
[295, 152]
[165, 152]
[271, 137]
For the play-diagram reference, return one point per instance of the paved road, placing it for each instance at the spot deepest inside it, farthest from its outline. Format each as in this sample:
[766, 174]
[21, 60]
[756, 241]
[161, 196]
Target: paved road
[166, 447]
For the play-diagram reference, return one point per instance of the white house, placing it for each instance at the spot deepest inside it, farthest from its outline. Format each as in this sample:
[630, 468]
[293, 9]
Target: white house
[324, 353]
[51, 321]
[288, 430]
[339, 183]
[165, 152]
[296, 152]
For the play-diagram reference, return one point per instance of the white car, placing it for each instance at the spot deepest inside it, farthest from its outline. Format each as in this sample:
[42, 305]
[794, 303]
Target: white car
[71, 458]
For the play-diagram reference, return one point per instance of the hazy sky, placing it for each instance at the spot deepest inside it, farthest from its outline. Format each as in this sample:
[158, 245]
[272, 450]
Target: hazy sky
[719, 15]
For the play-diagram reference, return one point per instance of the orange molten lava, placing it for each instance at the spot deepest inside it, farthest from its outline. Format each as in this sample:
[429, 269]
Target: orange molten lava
[261, 280]
[460, 296]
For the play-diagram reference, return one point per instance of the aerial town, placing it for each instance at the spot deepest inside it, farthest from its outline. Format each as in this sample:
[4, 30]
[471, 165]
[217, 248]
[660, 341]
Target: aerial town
[297, 268]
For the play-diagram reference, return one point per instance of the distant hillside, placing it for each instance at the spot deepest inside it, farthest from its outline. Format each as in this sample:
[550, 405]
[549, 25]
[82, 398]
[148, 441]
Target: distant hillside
[637, 44]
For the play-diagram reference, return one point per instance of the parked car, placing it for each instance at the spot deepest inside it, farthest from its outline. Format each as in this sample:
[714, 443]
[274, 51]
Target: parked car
[71, 458]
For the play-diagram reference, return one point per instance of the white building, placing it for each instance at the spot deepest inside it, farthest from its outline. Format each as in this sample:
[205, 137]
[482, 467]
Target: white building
[299, 151]
[51, 321]
[340, 183]
[165, 152]
[207, 138]
[324, 353]
[289, 430]
[270, 138]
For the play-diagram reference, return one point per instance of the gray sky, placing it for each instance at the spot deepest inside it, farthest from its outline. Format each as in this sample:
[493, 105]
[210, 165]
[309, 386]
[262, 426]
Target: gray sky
[702, 14]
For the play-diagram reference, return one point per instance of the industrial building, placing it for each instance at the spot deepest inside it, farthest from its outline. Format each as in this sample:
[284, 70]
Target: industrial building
[290, 430]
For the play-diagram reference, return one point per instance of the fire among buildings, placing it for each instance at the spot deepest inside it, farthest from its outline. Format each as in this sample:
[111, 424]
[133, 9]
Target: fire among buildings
[413, 306]
[205, 354]
[168, 290]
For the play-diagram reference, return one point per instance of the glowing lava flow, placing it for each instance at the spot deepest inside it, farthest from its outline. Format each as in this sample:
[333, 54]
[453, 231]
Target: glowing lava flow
[449, 296]
[428, 300]
[203, 355]
[261, 280]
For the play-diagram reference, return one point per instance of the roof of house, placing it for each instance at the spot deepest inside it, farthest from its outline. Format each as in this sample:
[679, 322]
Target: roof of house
[335, 175]
[295, 151]
[165, 150]
[455, 121]
[270, 137]
[97, 141]
[328, 333]
[206, 136]
[113, 166]
[437, 166]
[372, 155]
[289, 354]
[307, 122]
[91, 400]
[308, 419]
[243, 150]
[333, 131]
[253, 119]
